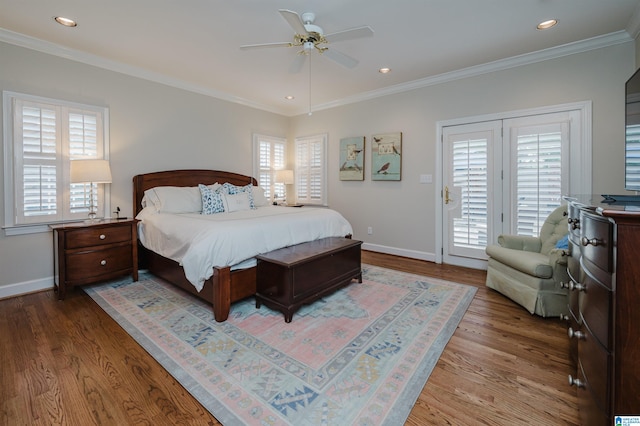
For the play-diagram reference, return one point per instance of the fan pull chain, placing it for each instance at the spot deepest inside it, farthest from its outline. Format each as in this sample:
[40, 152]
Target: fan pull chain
[310, 84]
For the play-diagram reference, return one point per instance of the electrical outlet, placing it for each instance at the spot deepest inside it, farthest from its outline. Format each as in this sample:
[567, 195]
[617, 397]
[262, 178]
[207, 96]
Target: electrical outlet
[370, 230]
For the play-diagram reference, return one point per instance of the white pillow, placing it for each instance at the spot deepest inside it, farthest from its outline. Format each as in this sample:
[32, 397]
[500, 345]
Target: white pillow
[237, 202]
[259, 200]
[174, 199]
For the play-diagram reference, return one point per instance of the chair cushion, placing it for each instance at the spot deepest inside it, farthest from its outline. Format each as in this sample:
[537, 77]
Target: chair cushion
[535, 264]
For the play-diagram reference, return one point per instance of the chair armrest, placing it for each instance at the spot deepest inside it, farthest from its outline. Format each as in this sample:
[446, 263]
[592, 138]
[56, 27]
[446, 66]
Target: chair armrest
[520, 242]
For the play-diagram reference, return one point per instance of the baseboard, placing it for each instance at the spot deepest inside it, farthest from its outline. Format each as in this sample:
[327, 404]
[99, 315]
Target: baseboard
[19, 289]
[412, 254]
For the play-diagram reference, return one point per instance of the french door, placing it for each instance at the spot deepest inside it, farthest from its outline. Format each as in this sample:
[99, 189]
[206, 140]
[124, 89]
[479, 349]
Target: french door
[503, 176]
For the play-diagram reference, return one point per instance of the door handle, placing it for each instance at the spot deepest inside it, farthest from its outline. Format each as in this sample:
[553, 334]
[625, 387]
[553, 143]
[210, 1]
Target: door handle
[447, 200]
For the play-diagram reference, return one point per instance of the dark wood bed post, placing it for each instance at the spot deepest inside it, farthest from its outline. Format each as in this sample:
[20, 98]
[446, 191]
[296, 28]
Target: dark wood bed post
[221, 293]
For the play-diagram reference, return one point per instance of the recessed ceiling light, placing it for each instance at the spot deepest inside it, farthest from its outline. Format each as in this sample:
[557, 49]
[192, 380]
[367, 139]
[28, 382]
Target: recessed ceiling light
[547, 24]
[384, 70]
[289, 97]
[67, 22]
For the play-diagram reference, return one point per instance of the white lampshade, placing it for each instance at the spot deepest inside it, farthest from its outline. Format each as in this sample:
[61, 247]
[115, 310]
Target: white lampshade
[93, 171]
[284, 176]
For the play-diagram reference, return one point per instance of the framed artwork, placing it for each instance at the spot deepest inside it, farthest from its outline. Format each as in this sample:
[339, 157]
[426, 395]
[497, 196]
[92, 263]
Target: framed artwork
[352, 158]
[386, 157]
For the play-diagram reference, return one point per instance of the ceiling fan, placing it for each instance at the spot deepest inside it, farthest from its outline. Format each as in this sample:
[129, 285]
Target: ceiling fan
[310, 37]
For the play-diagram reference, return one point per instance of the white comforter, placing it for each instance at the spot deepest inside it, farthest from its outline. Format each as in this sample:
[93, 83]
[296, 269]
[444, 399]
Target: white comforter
[201, 242]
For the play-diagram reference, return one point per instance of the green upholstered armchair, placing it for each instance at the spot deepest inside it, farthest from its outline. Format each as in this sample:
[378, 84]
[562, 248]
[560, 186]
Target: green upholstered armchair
[531, 270]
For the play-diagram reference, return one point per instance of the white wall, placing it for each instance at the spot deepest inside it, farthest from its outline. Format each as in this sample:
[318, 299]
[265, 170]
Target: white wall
[152, 127]
[402, 213]
[155, 127]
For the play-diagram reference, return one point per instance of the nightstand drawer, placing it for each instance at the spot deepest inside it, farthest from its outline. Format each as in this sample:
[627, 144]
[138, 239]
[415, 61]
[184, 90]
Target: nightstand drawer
[87, 265]
[89, 252]
[90, 237]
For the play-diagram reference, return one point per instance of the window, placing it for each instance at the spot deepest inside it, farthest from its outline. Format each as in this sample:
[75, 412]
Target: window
[42, 136]
[269, 156]
[311, 170]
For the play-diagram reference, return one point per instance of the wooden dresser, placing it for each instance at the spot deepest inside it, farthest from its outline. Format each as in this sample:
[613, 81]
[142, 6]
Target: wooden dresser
[86, 253]
[604, 305]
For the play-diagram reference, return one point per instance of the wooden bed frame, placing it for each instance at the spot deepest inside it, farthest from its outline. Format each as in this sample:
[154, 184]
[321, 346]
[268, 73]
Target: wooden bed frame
[225, 286]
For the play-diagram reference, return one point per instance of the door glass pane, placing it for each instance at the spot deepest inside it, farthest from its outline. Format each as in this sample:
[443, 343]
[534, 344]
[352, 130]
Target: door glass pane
[469, 161]
[538, 176]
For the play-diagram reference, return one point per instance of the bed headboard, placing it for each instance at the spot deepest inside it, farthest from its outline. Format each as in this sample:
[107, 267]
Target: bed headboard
[146, 181]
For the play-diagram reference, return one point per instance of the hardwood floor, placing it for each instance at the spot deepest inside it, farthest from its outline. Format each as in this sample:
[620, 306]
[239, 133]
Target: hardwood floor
[69, 363]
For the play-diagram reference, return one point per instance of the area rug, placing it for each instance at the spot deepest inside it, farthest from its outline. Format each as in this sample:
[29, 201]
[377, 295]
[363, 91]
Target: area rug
[360, 356]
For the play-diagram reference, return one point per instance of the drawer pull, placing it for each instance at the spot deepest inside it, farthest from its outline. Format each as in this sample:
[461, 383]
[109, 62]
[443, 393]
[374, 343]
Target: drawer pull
[576, 382]
[564, 285]
[102, 236]
[103, 262]
[574, 223]
[577, 286]
[593, 241]
[577, 334]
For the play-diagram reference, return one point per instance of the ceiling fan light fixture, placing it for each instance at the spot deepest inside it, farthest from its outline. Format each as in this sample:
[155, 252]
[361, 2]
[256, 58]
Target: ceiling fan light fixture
[545, 25]
[67, 22]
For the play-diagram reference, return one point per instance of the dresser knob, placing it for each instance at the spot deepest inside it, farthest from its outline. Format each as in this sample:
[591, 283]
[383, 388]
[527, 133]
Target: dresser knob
[593, 241]
[103, 262]
[577, 334]
[576, 286]
[102, 236]
[576, 382]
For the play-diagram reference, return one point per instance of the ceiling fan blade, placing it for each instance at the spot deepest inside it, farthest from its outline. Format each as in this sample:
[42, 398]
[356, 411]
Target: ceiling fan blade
[294, 21]
[298, 63]
[341, 58]
[349, 34]
[260, 46]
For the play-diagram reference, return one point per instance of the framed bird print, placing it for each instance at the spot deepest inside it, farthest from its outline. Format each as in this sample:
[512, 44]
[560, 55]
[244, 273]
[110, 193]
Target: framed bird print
[352, 158]
[386, 156]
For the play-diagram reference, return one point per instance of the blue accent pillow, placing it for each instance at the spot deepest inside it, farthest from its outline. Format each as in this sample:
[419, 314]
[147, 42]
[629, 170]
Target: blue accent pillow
[563, 243]
[233, 189]
[212, 201]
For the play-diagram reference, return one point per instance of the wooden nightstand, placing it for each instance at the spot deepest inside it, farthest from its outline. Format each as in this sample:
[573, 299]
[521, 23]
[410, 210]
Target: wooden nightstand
[86, 253]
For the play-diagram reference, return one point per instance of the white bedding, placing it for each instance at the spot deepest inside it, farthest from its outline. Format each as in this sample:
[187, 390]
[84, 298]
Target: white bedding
[201, 242]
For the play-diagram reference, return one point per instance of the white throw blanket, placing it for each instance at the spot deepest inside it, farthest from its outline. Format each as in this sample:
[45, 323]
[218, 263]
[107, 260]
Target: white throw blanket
[201, 242]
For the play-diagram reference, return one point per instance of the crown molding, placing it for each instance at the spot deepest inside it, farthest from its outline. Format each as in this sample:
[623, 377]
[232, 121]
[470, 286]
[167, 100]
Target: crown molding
[611, 39]
[100, 62]
[503, 64]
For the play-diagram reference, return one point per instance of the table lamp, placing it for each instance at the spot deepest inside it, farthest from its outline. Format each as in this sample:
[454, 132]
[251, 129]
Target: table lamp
[90, 171]
[285, 177]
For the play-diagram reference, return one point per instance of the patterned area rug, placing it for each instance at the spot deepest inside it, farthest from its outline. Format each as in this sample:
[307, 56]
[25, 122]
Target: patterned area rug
[359, 356]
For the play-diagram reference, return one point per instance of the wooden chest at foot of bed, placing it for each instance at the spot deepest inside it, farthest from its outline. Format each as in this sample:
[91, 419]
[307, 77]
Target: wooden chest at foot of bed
[290, 277]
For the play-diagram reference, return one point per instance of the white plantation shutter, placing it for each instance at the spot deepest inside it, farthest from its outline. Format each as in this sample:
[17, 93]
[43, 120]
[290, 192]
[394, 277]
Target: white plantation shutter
[469, 161]
[45, 136]
[36, 143]
[311, 172]
[269, 156]
[540, 166]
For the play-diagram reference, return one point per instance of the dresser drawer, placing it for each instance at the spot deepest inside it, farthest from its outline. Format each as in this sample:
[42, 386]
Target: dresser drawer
[92, 265]
[595, 307]
[93, 236]
[596, 367]
[596, 239]
[590, 413]
[573, 220]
